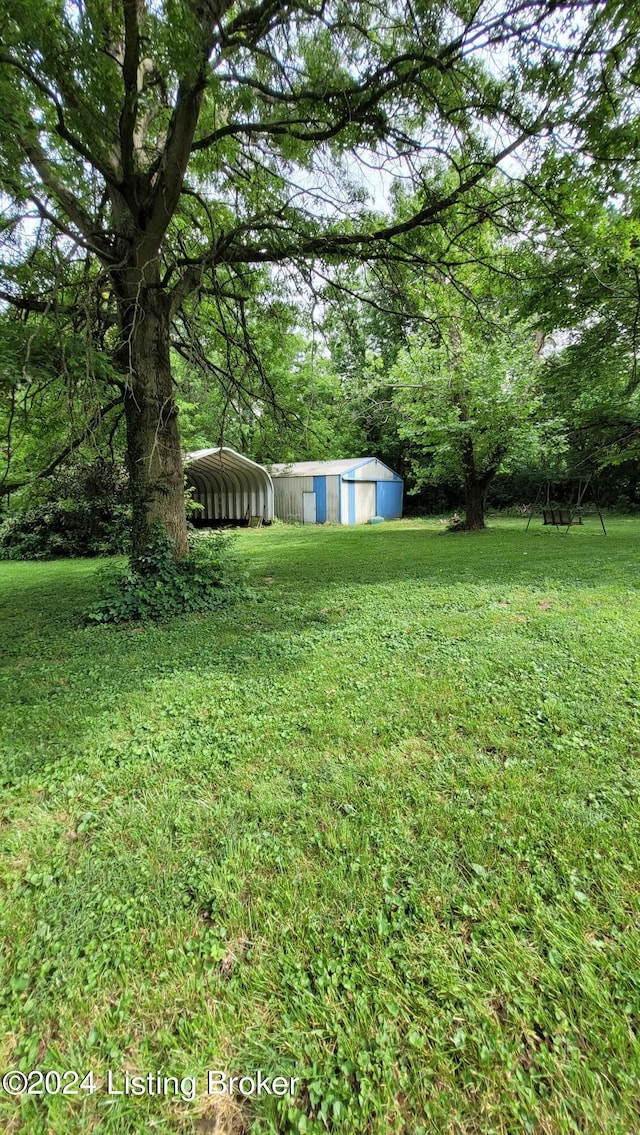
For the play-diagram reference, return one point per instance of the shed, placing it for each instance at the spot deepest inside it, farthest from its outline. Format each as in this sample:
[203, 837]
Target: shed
[351, 491]
[230, 487]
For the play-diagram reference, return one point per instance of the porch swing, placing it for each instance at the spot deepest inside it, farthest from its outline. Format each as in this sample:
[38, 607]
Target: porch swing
[564, 514]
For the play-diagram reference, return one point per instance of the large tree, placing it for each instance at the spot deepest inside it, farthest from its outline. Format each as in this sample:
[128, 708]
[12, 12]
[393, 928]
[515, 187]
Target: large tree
[583, 283]
[165, 148]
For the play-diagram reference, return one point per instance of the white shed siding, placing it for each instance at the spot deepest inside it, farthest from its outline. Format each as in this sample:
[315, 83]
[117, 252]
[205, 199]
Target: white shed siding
[344, 502]
[365, 492]
[333, 499]
[288, 496]
[374, 470]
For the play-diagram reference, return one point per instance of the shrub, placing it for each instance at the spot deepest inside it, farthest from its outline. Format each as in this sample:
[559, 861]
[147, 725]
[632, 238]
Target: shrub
[64, 528]
[155, 586]
[85, 514]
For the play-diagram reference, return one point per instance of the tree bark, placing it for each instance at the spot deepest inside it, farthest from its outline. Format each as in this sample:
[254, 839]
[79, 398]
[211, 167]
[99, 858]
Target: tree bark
[475, 495]
[154, 456]
[475, 486]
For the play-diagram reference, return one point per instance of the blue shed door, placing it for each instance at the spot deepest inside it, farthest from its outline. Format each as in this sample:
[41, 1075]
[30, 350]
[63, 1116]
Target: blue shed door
[320, 489]
[389, 499]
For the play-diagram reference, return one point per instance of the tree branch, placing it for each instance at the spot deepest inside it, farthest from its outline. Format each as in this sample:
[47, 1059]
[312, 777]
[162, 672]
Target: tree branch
[62, 130]
[130, 74]
[76, 213]
[169, 172]
[228, 250]
[11, 486]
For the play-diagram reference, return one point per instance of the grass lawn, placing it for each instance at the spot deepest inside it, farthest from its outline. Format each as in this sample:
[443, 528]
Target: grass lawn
[376, 829]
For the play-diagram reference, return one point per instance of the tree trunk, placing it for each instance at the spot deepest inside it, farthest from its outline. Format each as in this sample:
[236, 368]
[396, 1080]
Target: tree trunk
[154, 456]
[475, 487]
[475, 495]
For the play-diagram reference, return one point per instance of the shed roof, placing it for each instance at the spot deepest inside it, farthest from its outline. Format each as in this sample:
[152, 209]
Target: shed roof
[318, 468]
[222, 460]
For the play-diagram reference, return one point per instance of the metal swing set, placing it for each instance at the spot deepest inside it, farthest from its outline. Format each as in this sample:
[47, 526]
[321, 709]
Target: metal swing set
[565, 515]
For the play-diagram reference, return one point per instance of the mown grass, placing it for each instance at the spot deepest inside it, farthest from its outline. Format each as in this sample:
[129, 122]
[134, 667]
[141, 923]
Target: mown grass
[376, 829]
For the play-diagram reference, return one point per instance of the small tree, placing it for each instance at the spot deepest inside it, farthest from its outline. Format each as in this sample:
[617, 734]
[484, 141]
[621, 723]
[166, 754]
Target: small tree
[468, 408]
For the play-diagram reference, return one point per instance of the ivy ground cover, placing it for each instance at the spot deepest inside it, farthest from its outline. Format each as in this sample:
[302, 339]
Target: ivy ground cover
[375, 830]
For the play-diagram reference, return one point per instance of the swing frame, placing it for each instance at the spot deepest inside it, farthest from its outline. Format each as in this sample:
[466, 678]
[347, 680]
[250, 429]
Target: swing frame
[563, 516]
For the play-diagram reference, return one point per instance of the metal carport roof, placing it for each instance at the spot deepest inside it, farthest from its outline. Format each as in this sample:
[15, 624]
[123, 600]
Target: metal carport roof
[229, 485]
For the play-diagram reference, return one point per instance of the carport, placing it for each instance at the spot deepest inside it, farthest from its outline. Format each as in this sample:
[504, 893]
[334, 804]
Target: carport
[230, 487]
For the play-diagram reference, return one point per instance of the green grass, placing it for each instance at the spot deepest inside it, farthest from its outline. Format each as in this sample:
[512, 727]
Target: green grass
[376, 829]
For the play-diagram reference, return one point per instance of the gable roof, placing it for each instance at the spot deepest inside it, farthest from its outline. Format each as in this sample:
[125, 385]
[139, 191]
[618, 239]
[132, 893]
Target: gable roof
[318, 468]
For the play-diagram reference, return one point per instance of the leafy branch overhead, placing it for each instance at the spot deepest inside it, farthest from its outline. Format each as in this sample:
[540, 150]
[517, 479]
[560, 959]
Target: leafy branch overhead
[143, 100]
